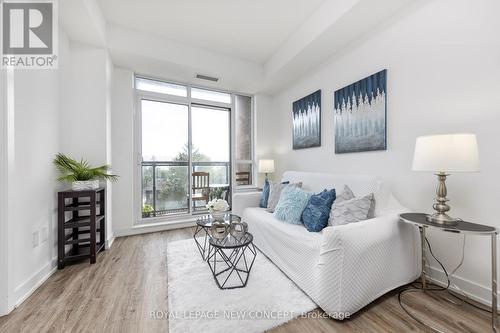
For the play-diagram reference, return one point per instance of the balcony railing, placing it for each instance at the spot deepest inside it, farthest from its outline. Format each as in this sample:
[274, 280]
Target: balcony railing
[166, 189]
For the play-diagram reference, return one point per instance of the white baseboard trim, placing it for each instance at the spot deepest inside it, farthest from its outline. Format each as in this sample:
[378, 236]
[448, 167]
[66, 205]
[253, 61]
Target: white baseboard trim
[473, 290]
[109, 242]
[148, 228]
[28, 287]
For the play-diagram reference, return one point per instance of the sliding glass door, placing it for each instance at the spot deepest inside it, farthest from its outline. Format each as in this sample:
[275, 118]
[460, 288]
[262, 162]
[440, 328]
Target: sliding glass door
[185, 138]
[182, 146]
[210, 130]
[165, 158]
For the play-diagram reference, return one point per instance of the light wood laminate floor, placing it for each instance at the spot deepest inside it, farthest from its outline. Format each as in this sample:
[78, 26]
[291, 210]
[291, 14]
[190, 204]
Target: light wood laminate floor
[130, 280]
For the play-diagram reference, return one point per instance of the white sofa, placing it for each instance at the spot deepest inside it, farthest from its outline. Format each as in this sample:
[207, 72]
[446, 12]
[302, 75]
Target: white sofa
[341, 268]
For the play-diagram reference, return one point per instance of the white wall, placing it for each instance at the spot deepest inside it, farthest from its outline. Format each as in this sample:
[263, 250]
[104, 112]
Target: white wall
[122, 114]
[32, 191]
[86, 111]
[443, 63]
[83, 120]
[30, 139]
[3, 194]
[263, 130]
[44, 112]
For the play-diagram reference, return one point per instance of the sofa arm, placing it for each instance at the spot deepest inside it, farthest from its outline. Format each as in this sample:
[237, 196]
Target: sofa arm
[376, 256]
[243, 200]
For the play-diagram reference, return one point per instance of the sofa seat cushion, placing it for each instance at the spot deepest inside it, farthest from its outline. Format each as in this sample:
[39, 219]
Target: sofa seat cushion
[291, 247]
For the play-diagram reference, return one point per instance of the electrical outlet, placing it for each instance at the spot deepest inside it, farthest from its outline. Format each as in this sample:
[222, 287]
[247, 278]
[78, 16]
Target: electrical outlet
[36, 239]
[45, 234]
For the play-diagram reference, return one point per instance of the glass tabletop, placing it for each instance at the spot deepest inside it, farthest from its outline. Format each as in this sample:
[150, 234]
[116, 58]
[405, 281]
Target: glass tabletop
[230, 242]
[461, 226]
[206, 220]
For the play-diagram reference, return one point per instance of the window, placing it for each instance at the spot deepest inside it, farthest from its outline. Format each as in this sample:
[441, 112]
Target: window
[244, 170]
[167, 156]
[185, 134]
[161, 87]
[210, 95]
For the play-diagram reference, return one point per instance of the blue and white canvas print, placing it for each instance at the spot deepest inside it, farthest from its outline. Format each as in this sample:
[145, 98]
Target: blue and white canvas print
[360, 111]
[307, 121]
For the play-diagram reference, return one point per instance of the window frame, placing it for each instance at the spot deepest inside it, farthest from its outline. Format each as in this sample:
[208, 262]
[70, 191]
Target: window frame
[252, 162]
[139, 95]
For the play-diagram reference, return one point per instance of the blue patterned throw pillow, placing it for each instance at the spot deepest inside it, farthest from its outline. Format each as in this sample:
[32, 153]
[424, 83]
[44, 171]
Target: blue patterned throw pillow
[265, 195]
[315, 215]
[292, 202]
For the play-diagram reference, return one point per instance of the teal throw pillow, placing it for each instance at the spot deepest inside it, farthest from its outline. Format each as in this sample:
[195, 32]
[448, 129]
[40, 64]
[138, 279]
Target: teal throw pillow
[292, 202]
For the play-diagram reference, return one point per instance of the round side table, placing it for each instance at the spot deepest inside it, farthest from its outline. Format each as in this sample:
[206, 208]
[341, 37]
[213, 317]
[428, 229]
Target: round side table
[231, 260]
[461, 227]
[203, 225]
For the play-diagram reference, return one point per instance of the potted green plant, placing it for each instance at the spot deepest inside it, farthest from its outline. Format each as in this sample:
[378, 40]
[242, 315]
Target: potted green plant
[147, 210]
[81, 174]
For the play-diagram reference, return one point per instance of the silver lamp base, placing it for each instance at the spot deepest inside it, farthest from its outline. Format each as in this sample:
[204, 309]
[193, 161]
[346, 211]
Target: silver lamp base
[443, 219]
[441, 207]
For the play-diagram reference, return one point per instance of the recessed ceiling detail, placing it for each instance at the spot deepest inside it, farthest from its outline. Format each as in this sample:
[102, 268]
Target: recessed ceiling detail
[255, 46]
[246, 29]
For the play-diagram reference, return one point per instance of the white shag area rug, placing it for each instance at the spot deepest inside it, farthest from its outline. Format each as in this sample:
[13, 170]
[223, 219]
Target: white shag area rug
[196, 304]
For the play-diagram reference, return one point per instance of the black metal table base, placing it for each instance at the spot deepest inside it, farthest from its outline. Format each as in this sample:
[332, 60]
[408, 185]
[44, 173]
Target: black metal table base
[231, 271]
[202, 246]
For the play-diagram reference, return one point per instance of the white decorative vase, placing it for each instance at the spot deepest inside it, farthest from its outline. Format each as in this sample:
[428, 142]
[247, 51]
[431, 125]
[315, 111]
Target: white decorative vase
[85, 185]
[218, 215]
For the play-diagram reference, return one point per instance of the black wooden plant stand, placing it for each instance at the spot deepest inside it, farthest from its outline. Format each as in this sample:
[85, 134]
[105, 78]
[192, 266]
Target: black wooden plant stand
[83, 235]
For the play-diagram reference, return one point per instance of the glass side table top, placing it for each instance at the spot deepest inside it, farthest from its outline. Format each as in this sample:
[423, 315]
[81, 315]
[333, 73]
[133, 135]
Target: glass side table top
[461, 226]
[231, 242]
[205, 221]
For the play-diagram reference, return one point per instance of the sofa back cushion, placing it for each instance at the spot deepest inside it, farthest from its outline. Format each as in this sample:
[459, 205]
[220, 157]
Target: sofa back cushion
[292, 202]
[315, 182]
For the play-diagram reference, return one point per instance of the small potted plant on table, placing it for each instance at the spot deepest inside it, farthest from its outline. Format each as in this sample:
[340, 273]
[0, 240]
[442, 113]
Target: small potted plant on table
[147, 210]
[81, 174]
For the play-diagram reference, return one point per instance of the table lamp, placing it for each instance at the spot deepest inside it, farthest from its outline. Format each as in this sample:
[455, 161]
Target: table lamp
[266, 166]
[443, 154]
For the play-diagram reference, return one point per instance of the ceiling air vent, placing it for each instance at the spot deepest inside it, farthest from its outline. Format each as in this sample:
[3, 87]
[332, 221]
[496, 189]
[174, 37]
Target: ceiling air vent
[206, 77]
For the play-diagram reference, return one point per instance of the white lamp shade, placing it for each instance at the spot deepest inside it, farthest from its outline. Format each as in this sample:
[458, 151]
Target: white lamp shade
[266, 166]
[446, 153]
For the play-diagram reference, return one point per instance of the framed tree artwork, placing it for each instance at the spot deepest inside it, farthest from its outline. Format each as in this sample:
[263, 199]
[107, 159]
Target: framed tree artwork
[360, 112]
[307, 121]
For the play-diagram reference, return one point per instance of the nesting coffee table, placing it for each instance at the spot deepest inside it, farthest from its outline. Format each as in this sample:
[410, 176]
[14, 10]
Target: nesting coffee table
[203, 225]
[230, 259]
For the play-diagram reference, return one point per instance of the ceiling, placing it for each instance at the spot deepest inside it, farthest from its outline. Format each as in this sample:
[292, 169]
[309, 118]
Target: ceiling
[246, 29]
[252, 46]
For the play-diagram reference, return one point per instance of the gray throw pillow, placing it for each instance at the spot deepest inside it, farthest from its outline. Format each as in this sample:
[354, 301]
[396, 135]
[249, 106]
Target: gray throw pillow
[275, 193]
[346, 194]
[350, 211]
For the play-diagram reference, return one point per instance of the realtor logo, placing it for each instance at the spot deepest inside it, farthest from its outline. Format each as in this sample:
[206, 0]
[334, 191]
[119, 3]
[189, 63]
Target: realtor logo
[29, 34]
